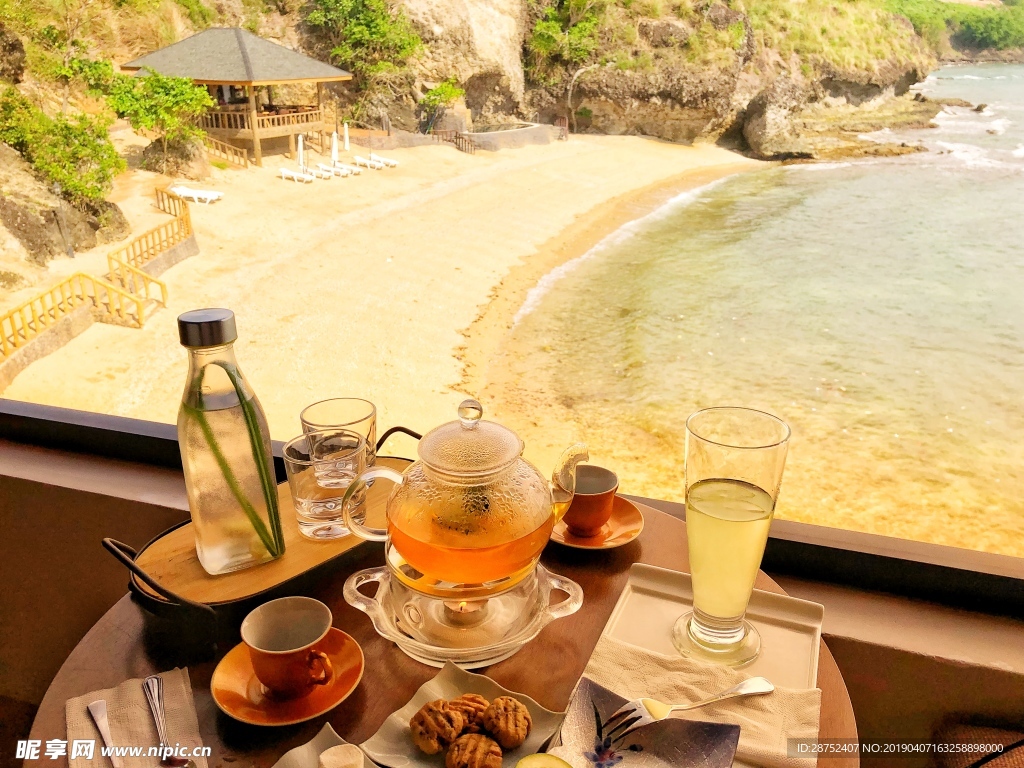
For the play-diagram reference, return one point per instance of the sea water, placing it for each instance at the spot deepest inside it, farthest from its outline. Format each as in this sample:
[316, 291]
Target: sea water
[877, 306]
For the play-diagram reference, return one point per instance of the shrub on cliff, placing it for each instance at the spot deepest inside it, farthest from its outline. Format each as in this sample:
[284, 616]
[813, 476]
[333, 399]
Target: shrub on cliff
[366, 36]
[566, 33]
[940, 23]
[73, 151]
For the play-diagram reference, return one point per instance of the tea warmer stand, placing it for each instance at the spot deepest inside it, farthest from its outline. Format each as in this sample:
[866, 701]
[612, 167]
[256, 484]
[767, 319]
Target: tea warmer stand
[470, 633]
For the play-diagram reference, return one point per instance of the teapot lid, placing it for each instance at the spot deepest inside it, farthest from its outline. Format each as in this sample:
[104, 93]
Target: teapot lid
[470, 446]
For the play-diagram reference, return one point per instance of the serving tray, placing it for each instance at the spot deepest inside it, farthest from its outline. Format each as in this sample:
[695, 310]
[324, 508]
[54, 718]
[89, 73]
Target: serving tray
[167, 568]
[654, 598]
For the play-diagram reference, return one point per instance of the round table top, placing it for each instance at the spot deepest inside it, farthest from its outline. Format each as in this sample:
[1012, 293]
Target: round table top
[116, 649]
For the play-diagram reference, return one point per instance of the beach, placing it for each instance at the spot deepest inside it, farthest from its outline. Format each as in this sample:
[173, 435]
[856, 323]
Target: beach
[395, 286]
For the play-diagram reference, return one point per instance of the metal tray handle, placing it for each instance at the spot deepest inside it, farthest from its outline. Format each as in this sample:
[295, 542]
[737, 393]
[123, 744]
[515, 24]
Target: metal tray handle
[126, 556]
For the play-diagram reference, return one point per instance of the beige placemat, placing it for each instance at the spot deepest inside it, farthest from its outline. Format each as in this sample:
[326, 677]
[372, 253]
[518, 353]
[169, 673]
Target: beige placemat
[766, 722]
[131, 722]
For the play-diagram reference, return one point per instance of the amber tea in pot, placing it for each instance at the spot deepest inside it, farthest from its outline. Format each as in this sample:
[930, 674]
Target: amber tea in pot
[471, 516]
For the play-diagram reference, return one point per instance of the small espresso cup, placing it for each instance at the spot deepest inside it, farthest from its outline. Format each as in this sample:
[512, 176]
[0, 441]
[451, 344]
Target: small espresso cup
[593, 500]
[282, 636]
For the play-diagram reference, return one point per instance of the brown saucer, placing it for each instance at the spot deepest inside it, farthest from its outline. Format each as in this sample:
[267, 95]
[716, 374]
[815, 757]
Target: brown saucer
[625, 524]
[238, 693]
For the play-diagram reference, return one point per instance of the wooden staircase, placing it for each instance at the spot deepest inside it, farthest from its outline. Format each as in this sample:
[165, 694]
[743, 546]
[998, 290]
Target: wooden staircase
[125, 296]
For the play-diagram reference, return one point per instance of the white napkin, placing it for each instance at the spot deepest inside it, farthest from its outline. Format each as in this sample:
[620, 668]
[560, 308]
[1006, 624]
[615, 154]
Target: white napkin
[766, 722]
[131, 722]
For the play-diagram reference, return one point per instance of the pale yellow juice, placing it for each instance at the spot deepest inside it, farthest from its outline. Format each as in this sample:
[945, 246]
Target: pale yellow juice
[727, 525]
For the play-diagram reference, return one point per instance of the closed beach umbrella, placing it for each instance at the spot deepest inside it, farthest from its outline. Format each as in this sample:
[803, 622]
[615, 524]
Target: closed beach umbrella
[334, 147]
[301, 154]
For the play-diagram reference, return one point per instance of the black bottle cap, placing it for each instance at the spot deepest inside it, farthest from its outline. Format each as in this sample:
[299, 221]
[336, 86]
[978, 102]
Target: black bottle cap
[207, 327]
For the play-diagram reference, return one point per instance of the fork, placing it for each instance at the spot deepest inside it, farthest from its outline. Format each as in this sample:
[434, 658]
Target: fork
[641, 712]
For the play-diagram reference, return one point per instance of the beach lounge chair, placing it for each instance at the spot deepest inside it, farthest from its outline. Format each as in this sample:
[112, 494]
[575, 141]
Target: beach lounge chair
[287, 173]
[317, 173]
[332, 170]
[368, 163]
[387, 161]
[195, 195]
[350, 168]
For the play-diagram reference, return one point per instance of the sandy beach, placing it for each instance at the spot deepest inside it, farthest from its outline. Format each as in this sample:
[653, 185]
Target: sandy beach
[395, 286]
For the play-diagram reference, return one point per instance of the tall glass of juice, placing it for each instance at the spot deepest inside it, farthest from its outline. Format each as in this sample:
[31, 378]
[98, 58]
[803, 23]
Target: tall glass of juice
[734, 463]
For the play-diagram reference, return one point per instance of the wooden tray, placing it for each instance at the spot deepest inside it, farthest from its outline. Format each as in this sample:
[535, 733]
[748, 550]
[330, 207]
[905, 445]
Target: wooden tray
[170, 560]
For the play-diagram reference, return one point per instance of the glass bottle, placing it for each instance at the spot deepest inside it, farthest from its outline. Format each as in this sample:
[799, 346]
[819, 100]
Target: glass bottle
[225, 451]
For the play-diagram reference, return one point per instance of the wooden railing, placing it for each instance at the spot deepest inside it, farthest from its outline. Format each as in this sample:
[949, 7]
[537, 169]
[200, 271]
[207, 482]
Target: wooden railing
[234, 155]
[134, 280]
[151, 244]
[292, 118]
[226, 121]
[239, 121]
[168, 202]
[462, 142]
[23, 323]
[121, 298]
[562, 124]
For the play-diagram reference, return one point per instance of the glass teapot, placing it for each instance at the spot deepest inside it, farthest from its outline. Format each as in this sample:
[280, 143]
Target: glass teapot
[471, 516]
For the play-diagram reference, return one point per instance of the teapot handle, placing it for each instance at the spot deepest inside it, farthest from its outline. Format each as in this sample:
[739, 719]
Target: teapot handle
[355, 497]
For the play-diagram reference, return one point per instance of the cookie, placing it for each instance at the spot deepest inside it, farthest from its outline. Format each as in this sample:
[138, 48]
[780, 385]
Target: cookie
[508, 721]
[474, 750]
[472, 706]
[435, 726]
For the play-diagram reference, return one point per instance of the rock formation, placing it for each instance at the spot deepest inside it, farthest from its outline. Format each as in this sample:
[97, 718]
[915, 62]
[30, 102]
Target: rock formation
[480, 43]
[43, 225]
[12, 56]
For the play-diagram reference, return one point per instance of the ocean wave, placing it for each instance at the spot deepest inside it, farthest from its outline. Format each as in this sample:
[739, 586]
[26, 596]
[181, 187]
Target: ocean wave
[818, 166]
[970, 155]
[1019, 151]
[620, 235]
[972, 122]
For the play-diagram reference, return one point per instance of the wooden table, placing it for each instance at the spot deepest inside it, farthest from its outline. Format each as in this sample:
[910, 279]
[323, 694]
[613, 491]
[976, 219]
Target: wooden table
[547, 669]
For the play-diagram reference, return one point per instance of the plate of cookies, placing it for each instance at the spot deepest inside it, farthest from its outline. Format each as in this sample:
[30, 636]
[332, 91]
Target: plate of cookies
[462, 720]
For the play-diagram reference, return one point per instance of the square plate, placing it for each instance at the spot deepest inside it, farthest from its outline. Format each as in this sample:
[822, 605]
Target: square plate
[654, 598]
[392, 744]
[585, 740]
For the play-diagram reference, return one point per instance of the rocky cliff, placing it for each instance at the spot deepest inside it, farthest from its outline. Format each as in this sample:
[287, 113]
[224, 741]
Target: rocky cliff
[683, 73]
[36, 225]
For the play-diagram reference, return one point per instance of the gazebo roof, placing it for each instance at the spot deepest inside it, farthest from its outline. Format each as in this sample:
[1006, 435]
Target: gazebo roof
[233, 56]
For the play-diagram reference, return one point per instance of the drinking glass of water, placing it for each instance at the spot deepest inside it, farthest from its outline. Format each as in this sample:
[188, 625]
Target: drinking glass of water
[321, 465]
[350, 413]
[734, 463]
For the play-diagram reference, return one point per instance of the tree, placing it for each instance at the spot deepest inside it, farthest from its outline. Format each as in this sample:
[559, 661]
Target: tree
[366, 36]
[75, 152]
[73, 21]
[171, 106]
[439, 98]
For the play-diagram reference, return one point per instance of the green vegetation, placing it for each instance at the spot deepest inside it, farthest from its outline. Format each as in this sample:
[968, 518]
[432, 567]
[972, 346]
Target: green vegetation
[366, 36]
[849, 35]
[170, 106]
[568, 36]
[200, 15]
[75, 152]
[998, 27]
[442, 95]
[372, 40]
[567, 31]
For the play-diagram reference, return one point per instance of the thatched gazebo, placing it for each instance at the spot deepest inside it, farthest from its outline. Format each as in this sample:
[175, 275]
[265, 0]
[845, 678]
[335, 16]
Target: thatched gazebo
[233, 64]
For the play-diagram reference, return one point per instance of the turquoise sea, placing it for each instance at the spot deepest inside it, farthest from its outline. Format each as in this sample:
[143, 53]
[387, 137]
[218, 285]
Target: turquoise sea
[877, 306]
